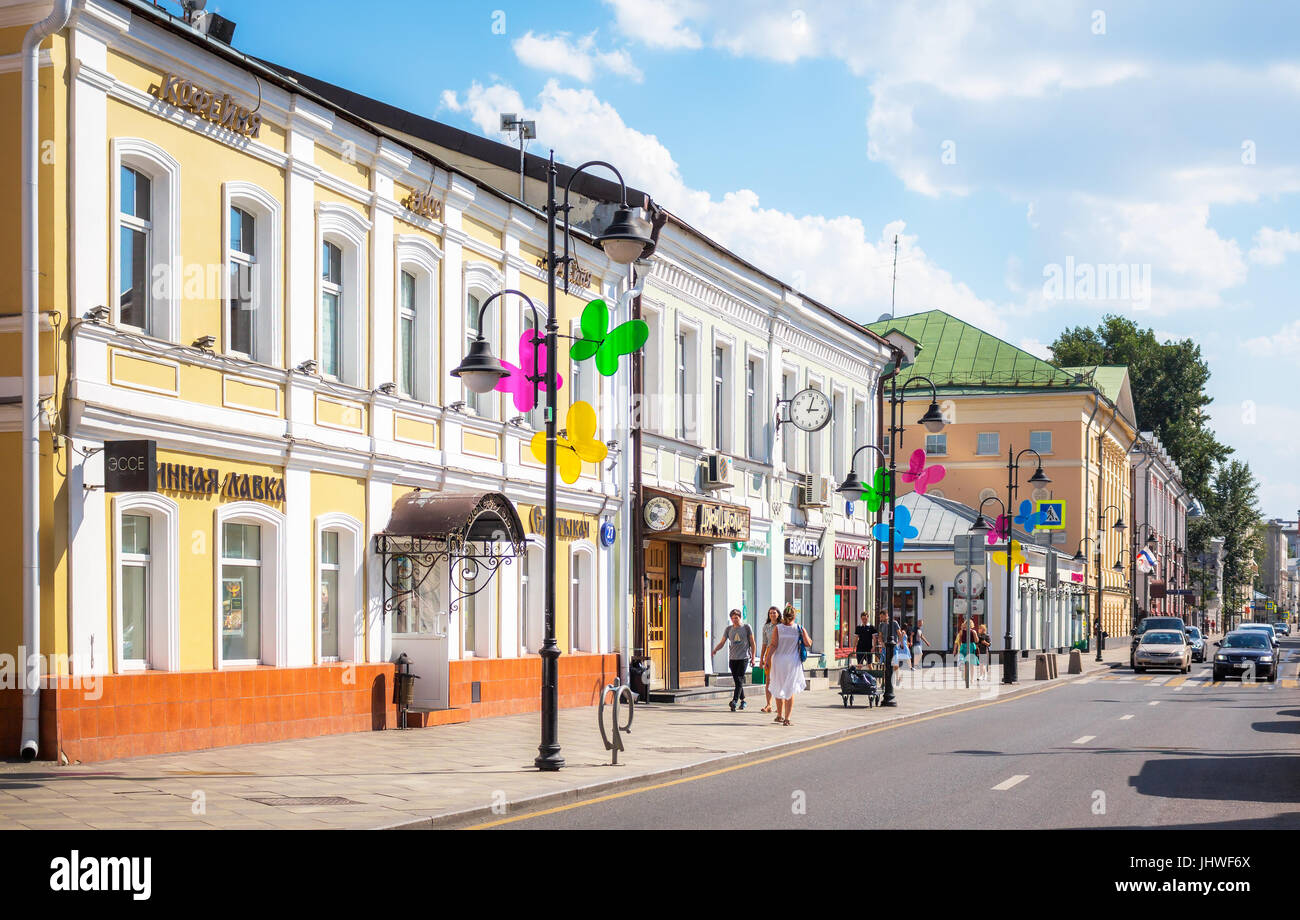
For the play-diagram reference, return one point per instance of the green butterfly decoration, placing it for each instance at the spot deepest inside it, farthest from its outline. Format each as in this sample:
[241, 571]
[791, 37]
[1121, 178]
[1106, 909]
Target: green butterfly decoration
[608, 345]
[876, 493]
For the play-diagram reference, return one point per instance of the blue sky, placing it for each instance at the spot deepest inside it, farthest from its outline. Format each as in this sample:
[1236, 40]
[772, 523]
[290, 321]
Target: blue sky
[998, 140]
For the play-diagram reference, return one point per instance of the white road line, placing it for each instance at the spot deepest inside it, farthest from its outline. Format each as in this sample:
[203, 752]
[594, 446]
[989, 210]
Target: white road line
[1157, 681]
[1008, 783]
[1084, 740]
[1154, 703]
[1129, 716]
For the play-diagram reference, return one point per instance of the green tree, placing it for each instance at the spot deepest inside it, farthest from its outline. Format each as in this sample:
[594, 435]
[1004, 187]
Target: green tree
[1168, 381]
[1232, 512]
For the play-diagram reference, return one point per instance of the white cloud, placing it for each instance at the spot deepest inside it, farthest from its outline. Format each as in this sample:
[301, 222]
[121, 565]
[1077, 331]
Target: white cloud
[1272, 246]
[1036, 348]
[1284, 343]
[579, 59]
[657, 23]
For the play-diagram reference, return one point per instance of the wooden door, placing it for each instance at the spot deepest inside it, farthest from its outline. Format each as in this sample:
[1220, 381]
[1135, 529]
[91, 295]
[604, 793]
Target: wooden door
[656, 620]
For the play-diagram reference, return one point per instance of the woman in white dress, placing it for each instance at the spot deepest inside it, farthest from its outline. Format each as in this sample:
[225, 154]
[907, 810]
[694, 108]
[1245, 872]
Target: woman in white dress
[785, 665]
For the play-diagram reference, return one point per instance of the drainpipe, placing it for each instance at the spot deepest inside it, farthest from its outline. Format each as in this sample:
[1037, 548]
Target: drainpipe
[31, 525]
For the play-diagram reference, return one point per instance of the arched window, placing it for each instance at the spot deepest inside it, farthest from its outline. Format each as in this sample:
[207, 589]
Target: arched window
[147, 579]
[416, 340]
[532, 599]
[481, 282]
[341, 336]
[582, 598]
[339, 605]
[250, 589]
[146, 280]
[252, 252]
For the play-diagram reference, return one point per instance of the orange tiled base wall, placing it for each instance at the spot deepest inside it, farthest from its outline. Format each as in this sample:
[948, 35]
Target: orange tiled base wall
[159, 712]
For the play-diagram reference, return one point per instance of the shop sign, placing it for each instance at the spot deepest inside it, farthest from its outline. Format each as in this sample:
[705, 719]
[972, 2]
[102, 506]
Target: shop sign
[845, 550]
[219, 108]
[196, 480]
[577, 274]
[900, 568]
[693, 556]
[423, 204]
[752, 547]
[708, 519]
[130, 466]
[800, 545]
[566, 528]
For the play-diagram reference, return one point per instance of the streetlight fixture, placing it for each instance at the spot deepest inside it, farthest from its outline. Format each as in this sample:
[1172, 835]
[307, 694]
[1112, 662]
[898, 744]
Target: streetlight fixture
[933, 422]
[1119, 527]
[627, 238]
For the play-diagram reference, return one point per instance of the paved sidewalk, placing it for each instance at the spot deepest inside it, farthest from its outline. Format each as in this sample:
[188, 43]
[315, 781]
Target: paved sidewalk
[427, 777]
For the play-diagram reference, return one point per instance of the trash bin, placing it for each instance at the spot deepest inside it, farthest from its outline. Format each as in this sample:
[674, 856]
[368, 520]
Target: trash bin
[638, 678]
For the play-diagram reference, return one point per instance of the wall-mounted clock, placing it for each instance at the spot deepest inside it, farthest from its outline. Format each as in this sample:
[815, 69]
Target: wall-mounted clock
[810, 410]
[659, 513]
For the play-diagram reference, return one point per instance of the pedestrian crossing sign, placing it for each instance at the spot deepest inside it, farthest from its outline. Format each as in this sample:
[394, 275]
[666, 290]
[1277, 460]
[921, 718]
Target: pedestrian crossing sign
[1051, 513]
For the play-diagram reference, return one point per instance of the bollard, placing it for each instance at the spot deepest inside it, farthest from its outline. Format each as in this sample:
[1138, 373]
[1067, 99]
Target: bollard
[1051, 665]
[1040, 667]
[617, 689]
[1076, 661]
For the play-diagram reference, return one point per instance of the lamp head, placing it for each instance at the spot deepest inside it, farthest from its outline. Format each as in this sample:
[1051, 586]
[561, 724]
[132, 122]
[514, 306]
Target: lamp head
[852, 486]
[981, 525]
[480, 371]
[1119, 524]
[933, 419]
[627, 236]
[1039, 478]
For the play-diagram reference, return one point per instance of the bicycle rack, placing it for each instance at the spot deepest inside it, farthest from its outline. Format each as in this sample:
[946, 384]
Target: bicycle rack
[617, 690]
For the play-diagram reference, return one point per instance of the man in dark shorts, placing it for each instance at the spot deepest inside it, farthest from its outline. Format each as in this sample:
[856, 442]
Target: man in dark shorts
[740, 653]
[866, 634]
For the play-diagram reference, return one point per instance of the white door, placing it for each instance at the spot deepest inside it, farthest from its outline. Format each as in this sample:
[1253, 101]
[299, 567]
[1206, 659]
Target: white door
[420, 630]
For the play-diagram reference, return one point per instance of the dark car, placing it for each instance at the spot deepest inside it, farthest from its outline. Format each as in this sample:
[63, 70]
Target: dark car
[1246, 654]
[1153, 623]
[1198, 643]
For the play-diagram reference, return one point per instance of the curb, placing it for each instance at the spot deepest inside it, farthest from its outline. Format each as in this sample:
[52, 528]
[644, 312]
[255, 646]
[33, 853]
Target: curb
[566, 795]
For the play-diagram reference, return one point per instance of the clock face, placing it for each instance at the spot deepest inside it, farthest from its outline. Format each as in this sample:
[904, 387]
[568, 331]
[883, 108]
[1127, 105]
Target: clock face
[659, 513]
[810, 410]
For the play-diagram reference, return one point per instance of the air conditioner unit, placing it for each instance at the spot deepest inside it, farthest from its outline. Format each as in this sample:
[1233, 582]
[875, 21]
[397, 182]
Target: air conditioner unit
[717, 472]
[814, 491]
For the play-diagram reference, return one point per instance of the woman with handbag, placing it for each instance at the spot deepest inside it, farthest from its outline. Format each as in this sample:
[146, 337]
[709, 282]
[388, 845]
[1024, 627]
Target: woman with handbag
[769, 640]
[785, 658]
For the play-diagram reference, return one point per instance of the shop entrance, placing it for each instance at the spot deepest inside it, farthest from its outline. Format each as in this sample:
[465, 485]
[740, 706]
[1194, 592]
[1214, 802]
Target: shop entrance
[656, 594]
[907, 604]
[686, 632]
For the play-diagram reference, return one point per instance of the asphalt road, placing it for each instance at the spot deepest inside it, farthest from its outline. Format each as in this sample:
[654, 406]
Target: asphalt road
[1109, 751]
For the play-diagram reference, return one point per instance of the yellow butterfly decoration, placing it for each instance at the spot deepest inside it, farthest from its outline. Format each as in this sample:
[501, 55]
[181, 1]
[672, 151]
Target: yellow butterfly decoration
[579, 445]
[1017, 557]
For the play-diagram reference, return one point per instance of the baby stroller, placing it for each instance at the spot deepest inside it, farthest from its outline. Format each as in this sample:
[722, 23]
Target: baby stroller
[854, 682]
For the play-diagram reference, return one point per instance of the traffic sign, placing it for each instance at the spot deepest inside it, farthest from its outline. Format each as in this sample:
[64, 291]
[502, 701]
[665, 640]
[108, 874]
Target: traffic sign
[1053, 513]
[968, 549]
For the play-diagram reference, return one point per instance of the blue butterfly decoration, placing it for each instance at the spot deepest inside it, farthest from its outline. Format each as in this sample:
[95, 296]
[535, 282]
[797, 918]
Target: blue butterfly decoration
[903, 529]
[1028, 518]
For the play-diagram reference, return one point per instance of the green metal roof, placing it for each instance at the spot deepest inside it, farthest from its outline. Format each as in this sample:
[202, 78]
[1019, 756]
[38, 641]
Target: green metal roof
[1108, 378]
[959, 356]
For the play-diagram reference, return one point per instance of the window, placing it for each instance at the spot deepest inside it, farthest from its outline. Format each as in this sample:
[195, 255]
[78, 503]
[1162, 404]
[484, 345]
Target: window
[241, 593]
[406, 334]
[484, 404]
[331, 356]
[986, 443]
[243, 261]
[936, 445]
[789, 434]
[468, 616]
[329, 595]
[839, 450]
[581, 617]
[135, 229]
[532, 599]
[814, 441]
[1041, 441]
[583, 383]
[722, 412]
[135, 590]
[681, 385]
[753, 421]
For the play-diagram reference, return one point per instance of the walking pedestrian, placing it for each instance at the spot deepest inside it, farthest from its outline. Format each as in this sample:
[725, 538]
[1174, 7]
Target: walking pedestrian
[901, 653]
[787, 667]
[879, 646]
[739, 639]
[984, 642]
[965, 649]
[918, 641]
[769, 639]
[866, 636]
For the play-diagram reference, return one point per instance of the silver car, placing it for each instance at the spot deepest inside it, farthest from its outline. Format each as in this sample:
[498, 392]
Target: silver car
[1163, 648]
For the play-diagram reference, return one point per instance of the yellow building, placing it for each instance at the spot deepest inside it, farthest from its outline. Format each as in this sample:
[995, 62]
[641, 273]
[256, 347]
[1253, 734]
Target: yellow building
[256, 297]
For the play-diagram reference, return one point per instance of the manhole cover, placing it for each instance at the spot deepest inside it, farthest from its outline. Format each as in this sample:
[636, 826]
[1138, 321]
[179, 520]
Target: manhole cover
[291, 800]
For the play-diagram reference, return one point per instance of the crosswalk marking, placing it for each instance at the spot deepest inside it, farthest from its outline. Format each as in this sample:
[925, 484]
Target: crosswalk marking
[1154, 703]
[1008, 783]
[1129, 716]
[1177, 682]
[1084, 740]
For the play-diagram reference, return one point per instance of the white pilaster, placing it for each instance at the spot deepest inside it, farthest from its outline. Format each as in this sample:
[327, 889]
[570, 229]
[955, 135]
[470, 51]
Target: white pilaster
[299, 567]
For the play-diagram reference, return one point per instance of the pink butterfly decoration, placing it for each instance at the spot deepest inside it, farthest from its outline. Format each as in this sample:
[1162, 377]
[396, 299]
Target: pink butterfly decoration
[999, 531]
[532, 357]
[919, 473]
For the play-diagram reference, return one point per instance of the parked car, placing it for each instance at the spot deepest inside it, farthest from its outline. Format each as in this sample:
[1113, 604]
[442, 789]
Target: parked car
[1243, 653]
[1150, 623]
[1198, 643]
[1262, 628]
[1163, 648]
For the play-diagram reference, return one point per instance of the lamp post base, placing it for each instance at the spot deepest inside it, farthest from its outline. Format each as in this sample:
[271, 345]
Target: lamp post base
[548, 752]
[1009, 666]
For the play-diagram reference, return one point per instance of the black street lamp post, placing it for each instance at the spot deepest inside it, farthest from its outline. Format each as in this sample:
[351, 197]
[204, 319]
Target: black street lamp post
[934, 423]
[626, 239]
[1039, 478]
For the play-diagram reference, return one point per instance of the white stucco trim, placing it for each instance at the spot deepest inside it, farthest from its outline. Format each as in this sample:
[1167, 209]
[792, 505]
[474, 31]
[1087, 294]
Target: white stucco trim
[274, 609]
[164, 578]
[164, 172]
[351, 604]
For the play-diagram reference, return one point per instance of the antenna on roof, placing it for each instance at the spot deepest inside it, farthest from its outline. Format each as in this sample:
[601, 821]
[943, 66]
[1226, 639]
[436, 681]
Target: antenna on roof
[894, 285]
[527, 131]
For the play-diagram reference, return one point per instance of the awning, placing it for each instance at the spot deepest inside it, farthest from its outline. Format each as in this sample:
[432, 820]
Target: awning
[455, 517]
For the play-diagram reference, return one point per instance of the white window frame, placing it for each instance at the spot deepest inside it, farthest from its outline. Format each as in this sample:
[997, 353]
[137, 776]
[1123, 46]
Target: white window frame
[944, 442]
[485, 605]
[164, 173]
[163, 580]
[532, 600]
[686, 381]
[584, 594]
[839, 425]
[813, 439]
[274, 607]
[721, 393]
[654, 410]
[1047, 432]
[420, 258]
[997, 444]
[268, 288]
[350, 602]
[584, 380]
[482, 280]
[348, 230]
[789, 433]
